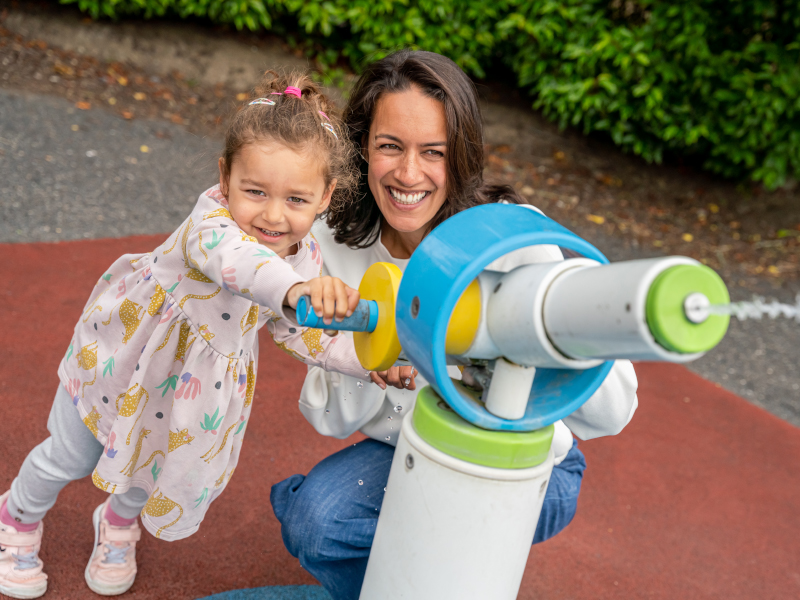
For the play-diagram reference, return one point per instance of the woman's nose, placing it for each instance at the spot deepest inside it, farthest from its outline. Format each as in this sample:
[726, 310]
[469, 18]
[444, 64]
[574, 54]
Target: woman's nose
[408, 173]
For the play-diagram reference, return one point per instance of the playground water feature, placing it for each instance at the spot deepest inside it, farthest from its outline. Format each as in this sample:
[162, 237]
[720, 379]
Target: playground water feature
[757, 308]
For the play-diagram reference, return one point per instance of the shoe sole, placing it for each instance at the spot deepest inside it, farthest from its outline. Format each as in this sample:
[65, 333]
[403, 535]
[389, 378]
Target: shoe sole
[103, 589]
[25, 593]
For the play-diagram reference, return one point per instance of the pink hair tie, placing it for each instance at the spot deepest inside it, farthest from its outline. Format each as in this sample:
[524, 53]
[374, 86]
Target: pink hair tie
[293, 91]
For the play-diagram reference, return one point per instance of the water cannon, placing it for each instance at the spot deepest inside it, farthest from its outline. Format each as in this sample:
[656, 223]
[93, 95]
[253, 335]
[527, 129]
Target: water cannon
[473, 460]
[537, 331]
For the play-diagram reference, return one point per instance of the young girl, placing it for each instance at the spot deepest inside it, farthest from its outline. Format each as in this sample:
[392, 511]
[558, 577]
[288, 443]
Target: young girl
[158, 380]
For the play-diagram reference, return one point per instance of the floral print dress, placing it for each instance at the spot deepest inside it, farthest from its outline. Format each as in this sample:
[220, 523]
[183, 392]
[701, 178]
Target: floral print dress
[162, 363]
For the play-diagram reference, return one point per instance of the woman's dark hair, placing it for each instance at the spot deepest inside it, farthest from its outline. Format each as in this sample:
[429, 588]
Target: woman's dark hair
[437, 77]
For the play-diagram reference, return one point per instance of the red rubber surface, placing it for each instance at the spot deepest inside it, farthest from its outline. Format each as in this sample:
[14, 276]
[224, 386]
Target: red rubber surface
[697, 499]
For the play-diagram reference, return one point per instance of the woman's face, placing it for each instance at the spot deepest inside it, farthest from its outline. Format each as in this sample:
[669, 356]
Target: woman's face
[406, 153]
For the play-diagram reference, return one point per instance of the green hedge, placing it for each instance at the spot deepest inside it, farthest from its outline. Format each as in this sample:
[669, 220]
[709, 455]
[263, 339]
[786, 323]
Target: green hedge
[715, 81]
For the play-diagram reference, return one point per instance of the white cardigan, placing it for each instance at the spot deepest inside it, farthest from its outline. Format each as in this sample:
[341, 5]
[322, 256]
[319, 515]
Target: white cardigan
[335, 405]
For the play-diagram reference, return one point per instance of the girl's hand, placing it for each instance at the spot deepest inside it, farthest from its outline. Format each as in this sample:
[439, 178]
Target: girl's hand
[330, 297]
[400, 377]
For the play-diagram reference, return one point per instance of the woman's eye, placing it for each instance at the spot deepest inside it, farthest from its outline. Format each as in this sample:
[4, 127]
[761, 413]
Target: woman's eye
[434, 153]
[389, 147]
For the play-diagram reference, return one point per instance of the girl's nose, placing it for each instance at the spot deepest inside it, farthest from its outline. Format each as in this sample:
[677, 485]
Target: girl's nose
[273, 212]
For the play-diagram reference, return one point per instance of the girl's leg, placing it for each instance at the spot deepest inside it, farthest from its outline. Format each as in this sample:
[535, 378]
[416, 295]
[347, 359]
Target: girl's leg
[328, 519]
[128, 505]
[71, 452]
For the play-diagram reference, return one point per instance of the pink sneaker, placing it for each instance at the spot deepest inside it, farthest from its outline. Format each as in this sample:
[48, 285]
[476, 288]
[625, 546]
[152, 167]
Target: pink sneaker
[21, 573]
[112, 567]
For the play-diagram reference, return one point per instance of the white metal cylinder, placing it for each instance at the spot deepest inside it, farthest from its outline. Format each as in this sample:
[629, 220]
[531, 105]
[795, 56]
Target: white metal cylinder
[514, 315]
[452, 529]
[600, 311]
[483, 346]
[510, 389]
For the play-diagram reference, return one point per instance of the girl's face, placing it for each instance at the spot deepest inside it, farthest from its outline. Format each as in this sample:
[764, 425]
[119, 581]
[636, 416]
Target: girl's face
[406, 153]
[274, 194]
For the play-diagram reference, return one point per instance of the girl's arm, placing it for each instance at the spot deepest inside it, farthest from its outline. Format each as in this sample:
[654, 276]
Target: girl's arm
[317, 349]
[225, 255]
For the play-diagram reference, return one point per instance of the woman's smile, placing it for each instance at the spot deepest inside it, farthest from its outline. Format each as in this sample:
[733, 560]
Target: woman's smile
[406, 198]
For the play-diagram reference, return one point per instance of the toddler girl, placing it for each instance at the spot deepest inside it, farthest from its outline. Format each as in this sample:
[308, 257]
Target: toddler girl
[158, 380]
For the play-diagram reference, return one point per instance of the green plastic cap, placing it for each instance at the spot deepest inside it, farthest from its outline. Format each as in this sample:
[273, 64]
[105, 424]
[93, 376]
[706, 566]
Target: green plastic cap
[442, 428]
[666, 315]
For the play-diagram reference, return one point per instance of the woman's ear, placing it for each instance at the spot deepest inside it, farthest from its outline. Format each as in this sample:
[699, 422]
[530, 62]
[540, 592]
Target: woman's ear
[224, 177]
[326, 198]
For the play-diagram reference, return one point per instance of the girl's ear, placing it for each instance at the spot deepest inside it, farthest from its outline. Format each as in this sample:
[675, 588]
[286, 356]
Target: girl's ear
[326, 198]
[224, 177]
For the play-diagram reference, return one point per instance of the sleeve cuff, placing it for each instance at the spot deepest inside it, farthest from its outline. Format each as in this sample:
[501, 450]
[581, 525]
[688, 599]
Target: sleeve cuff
[342, 358]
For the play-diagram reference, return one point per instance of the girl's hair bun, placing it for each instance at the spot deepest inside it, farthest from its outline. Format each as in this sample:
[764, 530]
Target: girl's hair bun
[290, 108]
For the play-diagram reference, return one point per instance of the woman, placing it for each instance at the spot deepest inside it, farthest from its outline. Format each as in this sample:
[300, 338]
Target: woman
[414, 115]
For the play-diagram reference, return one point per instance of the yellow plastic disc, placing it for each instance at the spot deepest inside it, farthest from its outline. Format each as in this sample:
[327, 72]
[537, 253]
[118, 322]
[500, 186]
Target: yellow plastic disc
[464, 321]
[379, 350]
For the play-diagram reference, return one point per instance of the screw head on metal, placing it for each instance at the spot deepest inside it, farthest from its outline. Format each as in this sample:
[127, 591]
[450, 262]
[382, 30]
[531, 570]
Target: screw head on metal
[695, 306]
[409, 461]
[415, 307]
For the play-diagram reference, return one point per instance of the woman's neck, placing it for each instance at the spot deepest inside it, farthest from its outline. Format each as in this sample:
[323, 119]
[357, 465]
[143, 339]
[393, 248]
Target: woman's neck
[400, 244]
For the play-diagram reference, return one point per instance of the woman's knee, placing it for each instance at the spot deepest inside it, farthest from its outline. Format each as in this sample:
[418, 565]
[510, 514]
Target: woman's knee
[561, 499]
[324, 515]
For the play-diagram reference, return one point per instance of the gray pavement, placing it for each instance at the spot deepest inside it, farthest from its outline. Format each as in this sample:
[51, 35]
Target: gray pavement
[70, 174]
[63, 183]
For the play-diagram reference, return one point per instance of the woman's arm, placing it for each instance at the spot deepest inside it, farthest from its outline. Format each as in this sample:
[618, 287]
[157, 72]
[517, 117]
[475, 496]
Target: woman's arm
[611, 407]
[335, 405]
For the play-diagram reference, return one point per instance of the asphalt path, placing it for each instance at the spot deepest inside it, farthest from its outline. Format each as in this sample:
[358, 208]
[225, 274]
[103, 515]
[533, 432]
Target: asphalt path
[73, 174]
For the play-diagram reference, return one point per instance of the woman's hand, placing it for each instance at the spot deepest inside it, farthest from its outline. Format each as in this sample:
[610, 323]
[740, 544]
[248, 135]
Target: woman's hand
[400, 377]
[330, 297]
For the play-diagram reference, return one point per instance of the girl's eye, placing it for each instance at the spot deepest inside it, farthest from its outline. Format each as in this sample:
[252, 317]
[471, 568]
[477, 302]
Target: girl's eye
[256, 192]
[296, 200]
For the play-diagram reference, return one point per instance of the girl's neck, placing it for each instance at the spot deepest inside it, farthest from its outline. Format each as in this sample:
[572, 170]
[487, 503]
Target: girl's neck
[400, 244]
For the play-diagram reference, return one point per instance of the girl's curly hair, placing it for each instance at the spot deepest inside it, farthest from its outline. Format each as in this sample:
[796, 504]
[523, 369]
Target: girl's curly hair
[309, 123]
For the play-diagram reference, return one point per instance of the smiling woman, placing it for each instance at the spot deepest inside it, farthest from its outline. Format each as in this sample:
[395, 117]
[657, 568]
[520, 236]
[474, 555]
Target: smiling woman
[414, 117]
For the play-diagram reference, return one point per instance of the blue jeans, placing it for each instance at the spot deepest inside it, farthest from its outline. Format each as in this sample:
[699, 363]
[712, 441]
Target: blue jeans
[328, 517]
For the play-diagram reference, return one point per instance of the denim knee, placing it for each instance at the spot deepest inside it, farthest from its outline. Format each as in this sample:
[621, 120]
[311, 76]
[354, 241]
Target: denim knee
[308, 517]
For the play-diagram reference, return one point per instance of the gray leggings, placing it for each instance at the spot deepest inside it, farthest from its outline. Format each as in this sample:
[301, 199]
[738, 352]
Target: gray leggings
[71, 452]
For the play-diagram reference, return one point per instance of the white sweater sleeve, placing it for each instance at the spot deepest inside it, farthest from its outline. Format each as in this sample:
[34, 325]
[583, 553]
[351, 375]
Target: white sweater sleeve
[335, 405]
[611, 407]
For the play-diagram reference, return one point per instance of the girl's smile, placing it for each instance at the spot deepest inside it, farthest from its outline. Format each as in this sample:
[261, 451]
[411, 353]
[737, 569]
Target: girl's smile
[274, 194]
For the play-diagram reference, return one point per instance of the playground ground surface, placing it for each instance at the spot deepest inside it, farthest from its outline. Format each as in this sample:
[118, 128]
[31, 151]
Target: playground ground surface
[695, 499]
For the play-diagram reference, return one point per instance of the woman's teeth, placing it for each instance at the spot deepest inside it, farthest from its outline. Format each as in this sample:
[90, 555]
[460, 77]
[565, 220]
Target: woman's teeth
[269, 233]
[407, 198]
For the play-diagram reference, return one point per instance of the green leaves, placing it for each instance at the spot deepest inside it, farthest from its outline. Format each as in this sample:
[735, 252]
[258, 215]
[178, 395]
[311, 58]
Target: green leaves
[716, 82]
[108, 366]
[264, 253]
[211, 423]
[155, 471]
[214, 240]
[169, 383]
[202, 497]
